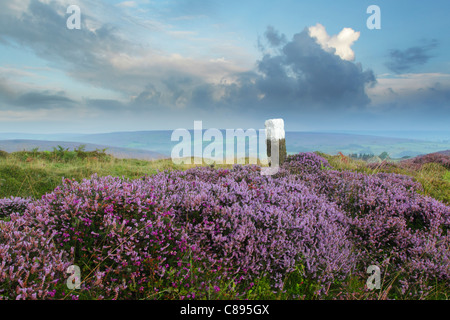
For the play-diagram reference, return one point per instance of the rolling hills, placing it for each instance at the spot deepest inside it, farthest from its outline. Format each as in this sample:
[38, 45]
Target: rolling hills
[44, 145]
[157, 144]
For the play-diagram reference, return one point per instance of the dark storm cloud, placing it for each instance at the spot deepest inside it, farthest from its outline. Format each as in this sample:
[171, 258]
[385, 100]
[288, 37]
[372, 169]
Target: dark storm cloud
[274, 38]
[302, 76]
[42, 100]
[147, 98]
[32, 100]
[402, 61]
[324, 77]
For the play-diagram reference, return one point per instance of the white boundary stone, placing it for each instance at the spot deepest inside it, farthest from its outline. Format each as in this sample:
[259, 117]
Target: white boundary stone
[275, 129]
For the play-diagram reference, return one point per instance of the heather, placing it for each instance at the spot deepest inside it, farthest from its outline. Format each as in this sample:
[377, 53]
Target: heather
[434, 177]
[308, 232]
[418, 162]
[13, 204]
[400, 230]
[34, 173]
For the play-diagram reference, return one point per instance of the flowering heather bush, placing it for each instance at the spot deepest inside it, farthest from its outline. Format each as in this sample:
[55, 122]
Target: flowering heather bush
[177, 234]
[393, 224]
[11, 205]
[124, 241]
[306, 162]
[417, 162]
[133, 235]
[31, 267]
[258, 225]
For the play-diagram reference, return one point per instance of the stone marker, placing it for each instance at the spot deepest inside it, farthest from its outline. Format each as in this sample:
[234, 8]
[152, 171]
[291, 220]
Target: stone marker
[275, 139]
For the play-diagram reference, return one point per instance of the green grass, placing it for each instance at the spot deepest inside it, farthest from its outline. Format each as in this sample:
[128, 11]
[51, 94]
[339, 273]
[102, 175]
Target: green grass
[34, 173]
[446, 176]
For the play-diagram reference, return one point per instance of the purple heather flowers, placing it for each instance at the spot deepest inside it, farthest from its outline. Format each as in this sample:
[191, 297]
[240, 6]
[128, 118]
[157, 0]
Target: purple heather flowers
[190, 231]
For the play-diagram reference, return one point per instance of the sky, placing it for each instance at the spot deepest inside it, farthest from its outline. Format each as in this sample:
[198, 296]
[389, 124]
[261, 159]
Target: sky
[161, 65]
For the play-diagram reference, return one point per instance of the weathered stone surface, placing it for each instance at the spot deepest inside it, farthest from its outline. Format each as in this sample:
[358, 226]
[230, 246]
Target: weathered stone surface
[275, 136]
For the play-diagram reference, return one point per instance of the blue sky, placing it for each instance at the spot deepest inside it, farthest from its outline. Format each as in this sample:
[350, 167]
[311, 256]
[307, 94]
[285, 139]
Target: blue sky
[150, 65]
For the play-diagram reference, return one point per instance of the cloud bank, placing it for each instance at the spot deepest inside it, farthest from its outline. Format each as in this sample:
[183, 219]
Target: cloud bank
[312, 70]
[311, 76]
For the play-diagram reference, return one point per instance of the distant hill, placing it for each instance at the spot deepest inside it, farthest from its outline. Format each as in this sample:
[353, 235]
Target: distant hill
[445, 153]
[442, 157]
[121, 153]
[331, 143]
[429, 135]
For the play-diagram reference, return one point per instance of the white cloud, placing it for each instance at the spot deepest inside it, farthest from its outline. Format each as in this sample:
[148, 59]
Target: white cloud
[8, 72]
[151, 66]
[391, 88]
[341, 42]
[181, 34]
[127, 4]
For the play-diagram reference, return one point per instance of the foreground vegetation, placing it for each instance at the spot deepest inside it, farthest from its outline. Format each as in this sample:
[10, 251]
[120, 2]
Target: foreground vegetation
[219, 233]
[34, 173]
[430, 171]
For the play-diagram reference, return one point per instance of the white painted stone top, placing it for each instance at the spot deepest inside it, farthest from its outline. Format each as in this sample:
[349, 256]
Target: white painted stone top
[274, 129]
